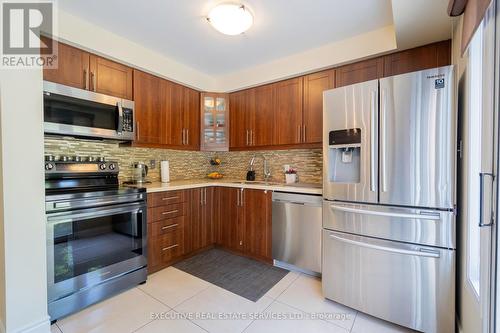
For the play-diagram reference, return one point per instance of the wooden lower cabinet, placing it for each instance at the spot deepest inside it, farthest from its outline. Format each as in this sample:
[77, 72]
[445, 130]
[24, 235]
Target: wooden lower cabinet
[165, 248]
[230, 219]
[183, 223]
[167, 223]
[257, 205]
[245, 222]
[200, 231]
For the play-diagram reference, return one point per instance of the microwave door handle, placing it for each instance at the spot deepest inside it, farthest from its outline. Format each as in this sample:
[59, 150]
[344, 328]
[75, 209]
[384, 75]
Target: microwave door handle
[119, 128]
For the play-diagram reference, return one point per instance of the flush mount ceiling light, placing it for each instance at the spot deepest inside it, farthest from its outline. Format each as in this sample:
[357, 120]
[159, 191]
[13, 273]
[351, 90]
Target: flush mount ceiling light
[230, 19]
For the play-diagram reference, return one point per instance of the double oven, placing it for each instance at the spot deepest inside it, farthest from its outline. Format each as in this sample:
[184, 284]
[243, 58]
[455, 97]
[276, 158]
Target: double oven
[96, 234]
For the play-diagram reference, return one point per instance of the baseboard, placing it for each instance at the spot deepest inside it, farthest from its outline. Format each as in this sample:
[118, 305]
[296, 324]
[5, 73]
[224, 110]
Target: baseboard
[42, 326]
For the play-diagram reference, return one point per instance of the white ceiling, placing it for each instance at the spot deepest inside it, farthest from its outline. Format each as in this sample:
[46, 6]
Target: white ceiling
[178, 30]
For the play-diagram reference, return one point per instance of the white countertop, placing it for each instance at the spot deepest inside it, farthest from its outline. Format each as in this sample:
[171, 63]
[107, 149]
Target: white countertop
[196, 183]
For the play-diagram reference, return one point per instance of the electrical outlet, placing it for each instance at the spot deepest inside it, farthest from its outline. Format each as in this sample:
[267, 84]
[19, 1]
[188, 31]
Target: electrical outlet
[286, 167]
[152, 164]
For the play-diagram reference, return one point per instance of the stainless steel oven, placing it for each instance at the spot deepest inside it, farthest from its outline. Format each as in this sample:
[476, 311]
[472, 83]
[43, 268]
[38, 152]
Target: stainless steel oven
[96, 236]
[82, 113]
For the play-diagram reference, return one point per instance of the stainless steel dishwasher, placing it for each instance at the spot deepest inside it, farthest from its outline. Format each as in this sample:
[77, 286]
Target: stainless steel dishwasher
[297, 226]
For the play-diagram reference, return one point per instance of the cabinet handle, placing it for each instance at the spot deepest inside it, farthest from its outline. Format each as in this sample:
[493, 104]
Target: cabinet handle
[183, 136]
[238, 198]
[93, 81]
[252, 137]
[169, 226]
[85, 79]
[169, 247]
[138, 133]
[170, 198]
[247, 139]
[170, 212]
[187, 136]
[304, 134]
[299, 133]
[242, 201]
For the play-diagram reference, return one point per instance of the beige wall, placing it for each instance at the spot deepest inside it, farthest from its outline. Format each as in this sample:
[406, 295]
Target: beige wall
[188, 164]
[23, 276]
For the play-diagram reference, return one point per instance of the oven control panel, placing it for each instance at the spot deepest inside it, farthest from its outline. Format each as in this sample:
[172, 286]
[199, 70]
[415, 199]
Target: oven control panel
[60, 167]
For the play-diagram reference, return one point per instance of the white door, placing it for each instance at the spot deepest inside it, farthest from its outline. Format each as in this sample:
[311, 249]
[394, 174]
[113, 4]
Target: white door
[477, 189]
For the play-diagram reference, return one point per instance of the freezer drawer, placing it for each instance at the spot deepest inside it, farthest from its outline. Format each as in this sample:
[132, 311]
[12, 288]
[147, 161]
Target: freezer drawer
[412, 225]
[297, 230]
[409, 285]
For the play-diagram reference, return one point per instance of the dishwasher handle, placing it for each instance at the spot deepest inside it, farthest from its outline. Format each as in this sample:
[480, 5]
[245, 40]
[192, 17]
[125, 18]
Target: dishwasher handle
[289, 202]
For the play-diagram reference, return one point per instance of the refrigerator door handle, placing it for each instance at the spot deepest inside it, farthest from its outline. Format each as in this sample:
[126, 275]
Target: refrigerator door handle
[373, 136]
[383, 138]
[388, 214]
[481, 200]
[422, 253]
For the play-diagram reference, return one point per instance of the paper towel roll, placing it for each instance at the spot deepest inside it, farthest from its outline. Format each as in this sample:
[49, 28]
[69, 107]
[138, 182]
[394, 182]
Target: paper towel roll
[165, 171]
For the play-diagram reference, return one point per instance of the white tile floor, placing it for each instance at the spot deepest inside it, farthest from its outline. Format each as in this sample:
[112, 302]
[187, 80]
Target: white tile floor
[174, 301]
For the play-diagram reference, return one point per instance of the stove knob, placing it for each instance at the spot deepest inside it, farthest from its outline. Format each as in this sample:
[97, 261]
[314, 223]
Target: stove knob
[112, 166]
[102, 166]
[49, 166]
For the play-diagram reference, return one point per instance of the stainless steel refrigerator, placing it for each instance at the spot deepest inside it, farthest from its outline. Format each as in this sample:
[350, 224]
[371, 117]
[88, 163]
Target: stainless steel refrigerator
[389, 150]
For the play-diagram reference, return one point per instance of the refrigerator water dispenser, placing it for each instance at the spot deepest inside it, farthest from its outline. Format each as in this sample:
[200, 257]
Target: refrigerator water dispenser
[344, 156]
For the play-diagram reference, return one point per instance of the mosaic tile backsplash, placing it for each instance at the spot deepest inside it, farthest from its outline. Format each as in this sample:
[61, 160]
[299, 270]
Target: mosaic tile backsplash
[192, 165]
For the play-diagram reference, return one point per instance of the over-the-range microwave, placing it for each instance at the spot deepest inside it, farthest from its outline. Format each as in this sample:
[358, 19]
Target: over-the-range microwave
[76, 112]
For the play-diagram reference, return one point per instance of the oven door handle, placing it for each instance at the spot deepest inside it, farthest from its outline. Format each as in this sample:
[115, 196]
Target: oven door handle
[94, 212]
[83, 203]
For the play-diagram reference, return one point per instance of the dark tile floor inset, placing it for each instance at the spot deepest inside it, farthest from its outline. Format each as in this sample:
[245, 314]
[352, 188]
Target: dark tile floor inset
[240, 275]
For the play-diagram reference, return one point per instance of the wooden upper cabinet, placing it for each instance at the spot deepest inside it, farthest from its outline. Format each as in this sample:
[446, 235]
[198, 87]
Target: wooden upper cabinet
[314, 86]
[176, 120]
[359, 72]
[149, 115]
[191, 118]
[238, 135]
[110, 78]
[419, 58]
[73, 67]
[288, 111]
[184, 119]
[214, 126]
[263, 124]
[80, 69]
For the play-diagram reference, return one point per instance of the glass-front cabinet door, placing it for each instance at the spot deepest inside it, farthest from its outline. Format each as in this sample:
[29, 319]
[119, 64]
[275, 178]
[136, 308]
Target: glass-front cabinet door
[214, 122]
